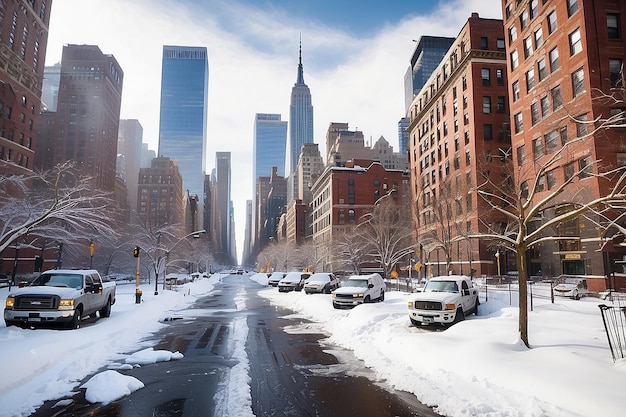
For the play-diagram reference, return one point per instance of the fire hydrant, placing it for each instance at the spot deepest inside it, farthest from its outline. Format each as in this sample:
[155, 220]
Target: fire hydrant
[138, 296]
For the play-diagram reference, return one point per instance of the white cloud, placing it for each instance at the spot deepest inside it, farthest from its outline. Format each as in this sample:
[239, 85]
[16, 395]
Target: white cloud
[253, 58]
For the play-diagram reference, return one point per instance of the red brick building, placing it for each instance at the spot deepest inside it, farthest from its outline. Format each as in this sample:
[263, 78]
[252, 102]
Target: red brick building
[160, 193]
[459, 135]
[342, 195]
[562, 55]
[23, 41]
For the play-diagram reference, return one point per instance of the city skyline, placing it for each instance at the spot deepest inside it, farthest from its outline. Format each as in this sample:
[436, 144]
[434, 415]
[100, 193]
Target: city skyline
[355, 67]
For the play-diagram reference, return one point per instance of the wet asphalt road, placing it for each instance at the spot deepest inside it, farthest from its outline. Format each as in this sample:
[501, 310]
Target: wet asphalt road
[291, 374]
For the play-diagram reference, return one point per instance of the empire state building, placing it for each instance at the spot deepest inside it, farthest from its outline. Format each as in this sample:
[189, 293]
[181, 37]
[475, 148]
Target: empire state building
[300, 127]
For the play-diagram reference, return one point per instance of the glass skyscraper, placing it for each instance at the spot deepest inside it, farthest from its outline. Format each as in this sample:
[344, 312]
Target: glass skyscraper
[300, 127]
[183, 118]
[270, 144]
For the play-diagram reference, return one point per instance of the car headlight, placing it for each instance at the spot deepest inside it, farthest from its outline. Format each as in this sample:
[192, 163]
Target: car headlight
[358, 296]
[450, 307]
[9, 303]
[410, 304]
[334, 295]
[66, 302]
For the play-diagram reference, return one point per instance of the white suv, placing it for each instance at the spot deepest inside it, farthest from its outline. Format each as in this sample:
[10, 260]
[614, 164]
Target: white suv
[359, 289]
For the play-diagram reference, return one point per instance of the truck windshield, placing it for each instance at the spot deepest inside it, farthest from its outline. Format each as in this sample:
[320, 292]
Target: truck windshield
[59, 280]
[355, 283]
[441, 286]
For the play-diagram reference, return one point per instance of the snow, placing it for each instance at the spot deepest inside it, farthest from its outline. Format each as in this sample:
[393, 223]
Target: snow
[478, 367]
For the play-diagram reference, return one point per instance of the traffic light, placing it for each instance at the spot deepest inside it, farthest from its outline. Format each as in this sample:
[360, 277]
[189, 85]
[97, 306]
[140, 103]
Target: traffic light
[92, 248]
[136, 252]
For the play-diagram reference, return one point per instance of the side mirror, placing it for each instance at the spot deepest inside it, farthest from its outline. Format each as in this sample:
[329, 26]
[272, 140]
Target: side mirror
[370, 285]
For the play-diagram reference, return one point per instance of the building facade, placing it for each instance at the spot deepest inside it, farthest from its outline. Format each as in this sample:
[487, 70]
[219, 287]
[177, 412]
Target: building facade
[129, 140]
[221, 204]
[562, 56]
[183, 113]
[23, 42]
[300, 126]
[86, 123]
[160, 194]
[458, 133]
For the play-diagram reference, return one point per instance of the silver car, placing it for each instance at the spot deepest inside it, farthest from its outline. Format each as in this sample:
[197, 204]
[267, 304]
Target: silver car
[321, 282]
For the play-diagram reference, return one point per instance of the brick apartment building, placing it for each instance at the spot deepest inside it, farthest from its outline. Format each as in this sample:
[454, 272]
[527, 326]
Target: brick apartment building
[342, 195]
[160, 193]
[562, 55]
[459, 133]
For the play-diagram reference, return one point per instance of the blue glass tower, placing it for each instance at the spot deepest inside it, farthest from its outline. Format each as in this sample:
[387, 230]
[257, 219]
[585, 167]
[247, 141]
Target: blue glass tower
[300, 127]
[183, 118]
[270, 144]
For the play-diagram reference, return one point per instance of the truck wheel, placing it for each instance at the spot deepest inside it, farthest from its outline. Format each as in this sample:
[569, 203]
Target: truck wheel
[459, 316]
[382, 295]
[475, 309]
[106, 310]
[75, 323]
[366, 299]
[327, 289]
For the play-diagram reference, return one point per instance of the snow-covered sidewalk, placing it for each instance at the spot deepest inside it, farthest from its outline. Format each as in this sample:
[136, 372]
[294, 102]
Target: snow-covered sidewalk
[479, 367]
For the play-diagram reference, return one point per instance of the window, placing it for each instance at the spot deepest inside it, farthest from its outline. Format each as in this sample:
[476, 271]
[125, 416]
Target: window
[534, 8]
[551, 140]
[500, 76]
[514, 59]
[523, 190]
[568, 171]
[484, 43]
[530, 79]
[523, 19]
[572, 7]
[519, 123]
[486, 104]
[575, 43]
[521, 155]
[612, 25]
[615, 72]
[578, 82]
[552, 22]
[501, 106]
[528, 47]
[554, 59]
[542, 70]
[512, 34]
[563, 134]
[468, 158]
[541, 183]
[545, 106]
[351, 215]
[538, 38]
[538, 151]
[500, 45]
[621, 159]
[581, 126]
[509, 10]
[516, 92]
[551, 179]
[585, 167]
[488, 132]
[557, 99]
[485, 74]
[534, 113]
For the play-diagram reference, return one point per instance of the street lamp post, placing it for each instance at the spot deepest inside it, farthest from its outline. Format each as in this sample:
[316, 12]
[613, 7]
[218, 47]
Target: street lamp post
[498, 259]
[158, 261]
[195, 234]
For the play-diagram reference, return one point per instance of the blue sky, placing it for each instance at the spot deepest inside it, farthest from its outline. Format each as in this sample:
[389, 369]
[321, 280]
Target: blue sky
[355, 55]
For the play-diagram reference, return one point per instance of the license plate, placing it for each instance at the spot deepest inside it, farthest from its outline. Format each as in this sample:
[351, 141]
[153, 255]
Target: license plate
[428, 320]
[34, 319]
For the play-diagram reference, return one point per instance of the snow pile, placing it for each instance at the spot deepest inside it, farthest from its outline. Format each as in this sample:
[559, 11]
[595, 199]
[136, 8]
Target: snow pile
[109, 386]
[149, 356]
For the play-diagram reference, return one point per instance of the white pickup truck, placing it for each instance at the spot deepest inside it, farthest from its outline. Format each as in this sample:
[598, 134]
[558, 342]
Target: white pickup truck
[444, 300]
[60, 296]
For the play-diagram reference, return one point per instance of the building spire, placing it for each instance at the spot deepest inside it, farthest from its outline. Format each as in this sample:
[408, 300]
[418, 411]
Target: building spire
[300, 80]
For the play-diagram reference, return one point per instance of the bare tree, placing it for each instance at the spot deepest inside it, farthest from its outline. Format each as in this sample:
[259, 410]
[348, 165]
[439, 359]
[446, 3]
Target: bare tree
[56, 205]
[389, 230]
[523, 202]
[351, 249]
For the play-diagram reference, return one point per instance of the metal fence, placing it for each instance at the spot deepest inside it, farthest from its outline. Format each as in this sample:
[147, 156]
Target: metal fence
[614, 319]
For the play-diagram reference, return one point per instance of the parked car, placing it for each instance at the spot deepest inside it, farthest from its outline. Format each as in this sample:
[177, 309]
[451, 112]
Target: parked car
[275, 278]
[60, 296]
[293, 281]
[571, 287]
[321, 282]
[444, 300]
[359, 289]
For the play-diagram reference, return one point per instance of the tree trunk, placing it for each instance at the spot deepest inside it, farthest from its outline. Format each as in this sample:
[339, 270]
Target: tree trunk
[523, 293]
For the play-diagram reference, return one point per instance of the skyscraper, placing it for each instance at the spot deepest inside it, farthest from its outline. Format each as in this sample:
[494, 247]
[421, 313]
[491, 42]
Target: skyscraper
[183, 118]
[221, 205]
[300, 127]
[129, 141]
[85, 126]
